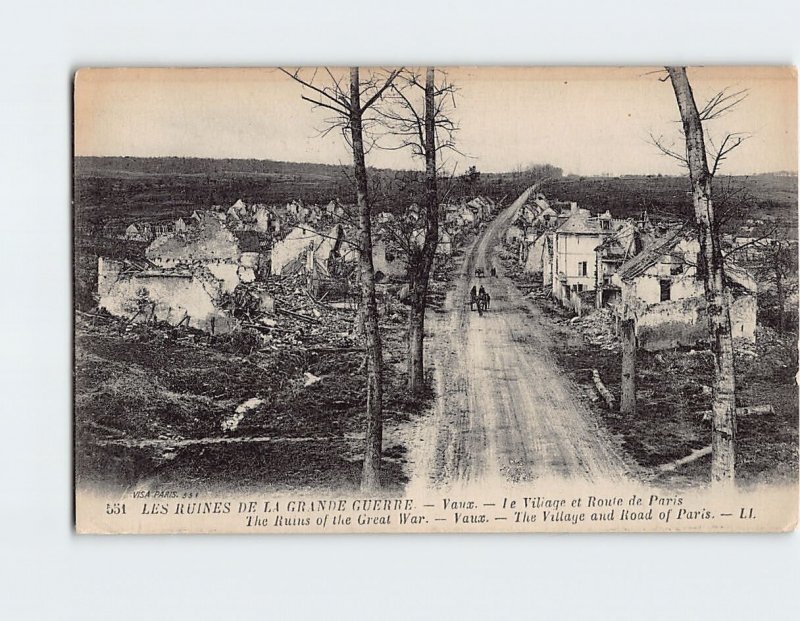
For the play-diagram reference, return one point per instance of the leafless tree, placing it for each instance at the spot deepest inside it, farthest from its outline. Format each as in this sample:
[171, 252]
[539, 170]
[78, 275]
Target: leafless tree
[781, 259]
[715, 152]
[711, 265]
[417, 115]
[350, 105]
[778, 261]
[627, 403]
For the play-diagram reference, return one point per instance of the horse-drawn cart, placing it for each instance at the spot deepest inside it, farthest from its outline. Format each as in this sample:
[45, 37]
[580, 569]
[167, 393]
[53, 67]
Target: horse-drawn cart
[479, 301]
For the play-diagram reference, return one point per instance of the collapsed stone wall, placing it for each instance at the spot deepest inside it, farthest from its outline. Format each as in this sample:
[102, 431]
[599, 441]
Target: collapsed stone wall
[174, 296]
[684, 323]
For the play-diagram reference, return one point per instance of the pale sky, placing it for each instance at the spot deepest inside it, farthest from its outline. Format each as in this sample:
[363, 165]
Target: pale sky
[585, 120]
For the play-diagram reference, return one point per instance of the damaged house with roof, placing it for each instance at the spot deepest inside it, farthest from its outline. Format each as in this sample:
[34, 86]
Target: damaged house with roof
[660, 290]
[444, 242]
[530, 235]
[389, 254]
[518, 229]
[388, 260]
[626, 242]
[482, 206]
[463, 216]
[532, 219]
[139, 231]
[574, 261]
[539, 254]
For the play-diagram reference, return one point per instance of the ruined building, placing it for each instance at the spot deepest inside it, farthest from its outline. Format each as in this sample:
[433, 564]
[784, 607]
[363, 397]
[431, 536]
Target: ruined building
[304, 248]
[186, 276]
[232, 257]
[574, 265]
[141, 291]
[659, 288]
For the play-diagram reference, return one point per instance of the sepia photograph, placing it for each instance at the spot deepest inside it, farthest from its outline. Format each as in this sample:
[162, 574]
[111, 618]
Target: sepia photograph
[412, 311]
[435, 299]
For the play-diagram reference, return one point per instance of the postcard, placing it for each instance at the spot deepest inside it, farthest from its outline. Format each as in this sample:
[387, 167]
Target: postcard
[435, 299]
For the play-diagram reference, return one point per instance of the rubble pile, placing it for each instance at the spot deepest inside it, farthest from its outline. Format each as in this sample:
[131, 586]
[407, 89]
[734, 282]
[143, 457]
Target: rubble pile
[391, 309]
[287, 315]
[540, 293]
[511, 266]
[747, 350]
[443, 270]
[101, 321]
[773, 353]
[597, 329]
[768, 340]
[275, 315]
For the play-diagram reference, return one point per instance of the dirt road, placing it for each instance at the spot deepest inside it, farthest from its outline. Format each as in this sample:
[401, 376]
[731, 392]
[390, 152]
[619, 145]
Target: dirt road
[503, 409]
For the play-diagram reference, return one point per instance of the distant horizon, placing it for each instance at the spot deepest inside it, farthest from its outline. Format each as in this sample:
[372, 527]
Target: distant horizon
[565, 173]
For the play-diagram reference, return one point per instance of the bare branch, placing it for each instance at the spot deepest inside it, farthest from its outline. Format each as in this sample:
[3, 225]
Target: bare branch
[752, 242]
[321, 104]
[661, 72]
[340, 104]
[661, 146]
[730, 142]
[722, 103]
[403, 115]
[388, 83]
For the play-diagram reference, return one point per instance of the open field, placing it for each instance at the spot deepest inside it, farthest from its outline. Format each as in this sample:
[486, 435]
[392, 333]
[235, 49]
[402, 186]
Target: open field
[773, 197]
[126, 189]
[107, 189]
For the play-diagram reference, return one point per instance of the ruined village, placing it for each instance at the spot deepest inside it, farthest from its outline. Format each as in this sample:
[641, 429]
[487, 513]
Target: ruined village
[218, 270]
[564, 328]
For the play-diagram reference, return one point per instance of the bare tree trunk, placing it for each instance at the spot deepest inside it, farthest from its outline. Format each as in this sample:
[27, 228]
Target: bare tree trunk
[627, 404]
[780, 293]
[711, 268]
[370, 477]
[422, 259]
[416, 340]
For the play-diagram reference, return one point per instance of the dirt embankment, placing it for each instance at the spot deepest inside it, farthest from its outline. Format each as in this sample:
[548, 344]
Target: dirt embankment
[159, 406]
